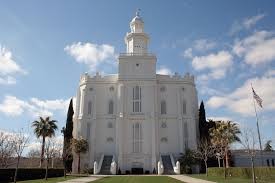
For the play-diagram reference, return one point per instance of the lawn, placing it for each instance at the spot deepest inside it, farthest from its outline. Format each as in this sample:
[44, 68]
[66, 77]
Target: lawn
[50, 180]
[137, 179]
[229, 179]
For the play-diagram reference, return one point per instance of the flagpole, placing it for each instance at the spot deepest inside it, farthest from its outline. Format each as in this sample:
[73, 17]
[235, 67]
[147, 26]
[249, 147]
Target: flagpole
[258, 130]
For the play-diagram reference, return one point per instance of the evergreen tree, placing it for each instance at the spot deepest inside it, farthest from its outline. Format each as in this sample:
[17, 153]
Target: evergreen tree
[202, 123]
[68, 136]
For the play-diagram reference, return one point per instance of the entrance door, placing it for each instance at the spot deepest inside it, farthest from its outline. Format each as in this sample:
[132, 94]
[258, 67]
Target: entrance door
[137, 168]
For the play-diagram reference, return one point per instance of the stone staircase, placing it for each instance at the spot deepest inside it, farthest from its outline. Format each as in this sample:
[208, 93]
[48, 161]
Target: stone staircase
[167, 164]
[106, 165]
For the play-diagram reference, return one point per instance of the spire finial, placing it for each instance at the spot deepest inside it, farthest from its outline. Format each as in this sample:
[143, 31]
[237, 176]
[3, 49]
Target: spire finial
[138, 12]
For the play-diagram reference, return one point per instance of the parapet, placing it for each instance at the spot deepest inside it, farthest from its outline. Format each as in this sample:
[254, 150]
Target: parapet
[86, 78]
[176, 77]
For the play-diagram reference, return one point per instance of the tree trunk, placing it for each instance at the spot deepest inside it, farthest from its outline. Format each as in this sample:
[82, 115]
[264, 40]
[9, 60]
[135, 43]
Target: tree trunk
[205, 164]
[224, 169]
[253, 170]
[16, 170]
[64, 165]
[226, 158]
[52, 161]
[46, 174]
[78, 163]
[42, 151]
[219, 162]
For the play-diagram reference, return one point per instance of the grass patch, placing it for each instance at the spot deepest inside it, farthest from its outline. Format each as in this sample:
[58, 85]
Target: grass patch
[50, 180]
[137, 179]
[228, 179]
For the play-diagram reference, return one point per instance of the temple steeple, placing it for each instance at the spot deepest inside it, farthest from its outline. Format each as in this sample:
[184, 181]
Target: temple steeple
[137, 40]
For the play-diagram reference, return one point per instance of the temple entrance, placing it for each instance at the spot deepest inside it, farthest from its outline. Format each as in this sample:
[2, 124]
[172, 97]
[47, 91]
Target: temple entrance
[137, 168]
[137, 171]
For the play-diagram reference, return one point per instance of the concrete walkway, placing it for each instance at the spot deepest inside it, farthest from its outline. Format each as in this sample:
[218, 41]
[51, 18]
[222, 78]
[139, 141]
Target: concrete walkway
[83, 179]
[188, 179]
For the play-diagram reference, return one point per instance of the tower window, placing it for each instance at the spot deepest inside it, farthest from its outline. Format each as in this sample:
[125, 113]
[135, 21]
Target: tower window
[163, 107]
[111, 107]
[183, 107]
[90, 108]
[136, 99]
[137, 137]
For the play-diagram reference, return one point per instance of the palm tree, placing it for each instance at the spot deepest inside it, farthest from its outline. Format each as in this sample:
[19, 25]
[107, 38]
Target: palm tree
[224, 134]
[44, 127]
[80, 146]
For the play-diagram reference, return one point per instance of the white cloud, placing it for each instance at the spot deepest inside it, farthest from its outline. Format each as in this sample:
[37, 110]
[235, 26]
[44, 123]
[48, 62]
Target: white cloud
[251, 21]
[240, 100]
[188, 53]
[199, 45]
[12, 106]
[257, 48]
[218, 64]
[204, 44]
[245, 24]
[91, 54]
[8, 67]
[163, 70]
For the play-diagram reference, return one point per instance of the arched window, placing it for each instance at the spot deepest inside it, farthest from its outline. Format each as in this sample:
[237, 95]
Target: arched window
[111, 107]
[183, 106]
[137, 138]
[136, 99]
[90, 108]
[163, 107]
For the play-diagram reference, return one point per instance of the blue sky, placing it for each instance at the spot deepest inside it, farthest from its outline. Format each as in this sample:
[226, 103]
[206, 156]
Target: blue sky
[46, 45]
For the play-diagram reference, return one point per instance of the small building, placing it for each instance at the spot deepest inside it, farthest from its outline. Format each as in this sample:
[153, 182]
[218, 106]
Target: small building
[242, 159]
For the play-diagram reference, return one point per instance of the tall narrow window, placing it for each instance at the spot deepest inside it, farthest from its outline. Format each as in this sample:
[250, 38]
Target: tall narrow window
[183, 107]
[137, 138]
[111, 107]
[136, 99]
[90, 108]
[186, 135]
[88, 131]
[163, 107]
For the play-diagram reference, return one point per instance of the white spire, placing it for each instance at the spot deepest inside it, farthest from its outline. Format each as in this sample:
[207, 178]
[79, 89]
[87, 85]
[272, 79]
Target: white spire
[137, 39]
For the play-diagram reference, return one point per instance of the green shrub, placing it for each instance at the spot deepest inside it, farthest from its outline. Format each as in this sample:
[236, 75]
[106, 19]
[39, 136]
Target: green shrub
[245, 172]
[7, 174]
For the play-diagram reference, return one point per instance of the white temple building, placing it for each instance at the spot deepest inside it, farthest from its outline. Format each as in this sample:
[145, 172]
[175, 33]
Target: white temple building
[136, 120]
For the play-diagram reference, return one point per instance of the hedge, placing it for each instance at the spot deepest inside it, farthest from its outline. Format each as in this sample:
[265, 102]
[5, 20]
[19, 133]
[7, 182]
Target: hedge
[245, 172]
[7, 174]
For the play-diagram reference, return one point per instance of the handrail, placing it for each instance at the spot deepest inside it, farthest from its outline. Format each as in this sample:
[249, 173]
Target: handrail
[100, 162]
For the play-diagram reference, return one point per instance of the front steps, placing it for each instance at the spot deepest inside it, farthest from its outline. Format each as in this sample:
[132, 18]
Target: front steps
[106, 165]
